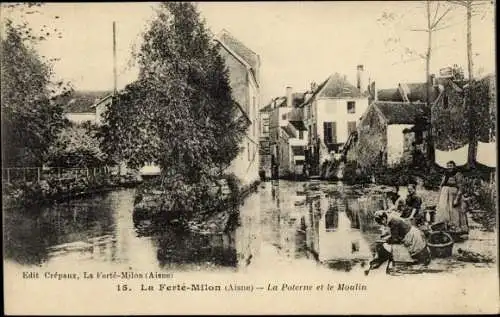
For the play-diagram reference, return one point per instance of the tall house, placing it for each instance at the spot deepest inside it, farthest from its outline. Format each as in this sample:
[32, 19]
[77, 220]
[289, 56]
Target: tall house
[244, 70]
[264, 142]
[287, 135]
[332, 111]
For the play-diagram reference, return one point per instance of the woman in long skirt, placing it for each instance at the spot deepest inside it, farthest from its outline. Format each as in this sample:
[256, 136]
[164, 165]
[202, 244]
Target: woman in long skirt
[401, 231]
[449, 209]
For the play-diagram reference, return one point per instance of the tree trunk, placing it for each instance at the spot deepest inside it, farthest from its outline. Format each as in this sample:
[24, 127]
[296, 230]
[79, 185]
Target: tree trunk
[430, 147]
[469, 40]
[472, 123]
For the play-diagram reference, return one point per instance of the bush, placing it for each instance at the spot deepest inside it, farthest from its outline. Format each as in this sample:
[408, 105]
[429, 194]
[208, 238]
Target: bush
[432, 180]
[354, 174]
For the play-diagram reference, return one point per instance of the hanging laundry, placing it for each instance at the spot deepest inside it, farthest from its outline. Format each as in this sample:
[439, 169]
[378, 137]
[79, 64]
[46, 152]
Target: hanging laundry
[459, 156]
[487, 154]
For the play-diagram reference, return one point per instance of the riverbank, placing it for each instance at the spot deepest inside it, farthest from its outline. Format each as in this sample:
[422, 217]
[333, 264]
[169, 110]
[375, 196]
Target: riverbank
[26, 194]
[218, 215]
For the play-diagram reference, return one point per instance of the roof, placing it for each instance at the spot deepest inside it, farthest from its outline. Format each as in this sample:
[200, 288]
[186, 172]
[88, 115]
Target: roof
[295, 114]
[417, 92]
[81, 101]
[299, 125]
[242, 50]
[335, 86]
[298, 98]
[315, 92]
[400, 112]
[266, 108]
[289, 131]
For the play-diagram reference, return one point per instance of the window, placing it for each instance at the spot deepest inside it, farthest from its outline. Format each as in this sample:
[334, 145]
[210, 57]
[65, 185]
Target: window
[283, 116]
[445, 101]
[351, 107]
[351, 127]
[301, 135]
[330, 132]
[332, 219]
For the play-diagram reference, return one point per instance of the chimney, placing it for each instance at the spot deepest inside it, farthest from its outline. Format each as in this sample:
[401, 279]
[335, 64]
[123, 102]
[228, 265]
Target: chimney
[433, 80]
[360, 74]
[314, 86]
[289, 96]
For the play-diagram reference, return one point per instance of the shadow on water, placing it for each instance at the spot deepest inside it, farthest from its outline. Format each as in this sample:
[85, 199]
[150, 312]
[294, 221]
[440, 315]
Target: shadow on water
[31, 236]
[331, 224]
[101, 229]
[207, 251]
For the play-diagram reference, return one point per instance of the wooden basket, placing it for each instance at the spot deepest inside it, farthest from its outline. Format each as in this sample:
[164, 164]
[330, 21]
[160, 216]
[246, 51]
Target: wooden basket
[440, 244]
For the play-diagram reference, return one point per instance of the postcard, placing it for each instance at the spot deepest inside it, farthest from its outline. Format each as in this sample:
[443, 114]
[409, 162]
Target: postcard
[249, 158]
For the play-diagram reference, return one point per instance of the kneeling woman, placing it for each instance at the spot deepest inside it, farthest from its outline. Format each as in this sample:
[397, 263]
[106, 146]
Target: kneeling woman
[401, 231]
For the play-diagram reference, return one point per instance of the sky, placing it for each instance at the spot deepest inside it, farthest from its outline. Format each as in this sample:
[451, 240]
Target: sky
[298, 42]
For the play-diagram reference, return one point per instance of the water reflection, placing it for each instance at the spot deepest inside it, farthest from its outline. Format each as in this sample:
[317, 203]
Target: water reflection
[284, 222]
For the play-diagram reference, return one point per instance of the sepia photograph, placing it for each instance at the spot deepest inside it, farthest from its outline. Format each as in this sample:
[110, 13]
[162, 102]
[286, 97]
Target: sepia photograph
[296, 157]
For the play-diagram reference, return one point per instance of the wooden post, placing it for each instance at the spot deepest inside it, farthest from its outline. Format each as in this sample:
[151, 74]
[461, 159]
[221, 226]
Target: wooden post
[59, 172]
[87, 171]
[39, 173]
[8, 176]
[24, 174]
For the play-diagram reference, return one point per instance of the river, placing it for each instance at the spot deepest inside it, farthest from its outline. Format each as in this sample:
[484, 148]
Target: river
[283, 226]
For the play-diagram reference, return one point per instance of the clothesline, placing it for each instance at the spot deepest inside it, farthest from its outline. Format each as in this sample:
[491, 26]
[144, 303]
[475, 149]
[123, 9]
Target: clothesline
[486, 155]
[459, 156]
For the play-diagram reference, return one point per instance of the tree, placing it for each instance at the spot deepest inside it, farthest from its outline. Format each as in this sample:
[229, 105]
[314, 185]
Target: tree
[436, 14]
[180, 112]
[76, 146]
[472, 8]
[30, 121]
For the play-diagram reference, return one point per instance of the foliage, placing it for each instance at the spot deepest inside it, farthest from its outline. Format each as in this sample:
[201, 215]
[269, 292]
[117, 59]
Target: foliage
[432, 179]
[52, 188]
[355, 174]
[180, 112]
[30, 120]
[482, 104]
[76, 146]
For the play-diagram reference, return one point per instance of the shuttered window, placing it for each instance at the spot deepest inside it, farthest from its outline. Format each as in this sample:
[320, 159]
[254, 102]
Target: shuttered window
[330, 132]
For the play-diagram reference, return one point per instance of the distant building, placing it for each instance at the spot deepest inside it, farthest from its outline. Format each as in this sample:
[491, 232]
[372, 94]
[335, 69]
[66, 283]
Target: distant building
[294, 143]
[383, 134]
[244, 71]
[287, 135]
[264, 142]
[80, 106]
[331, 113]
[405, 116]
